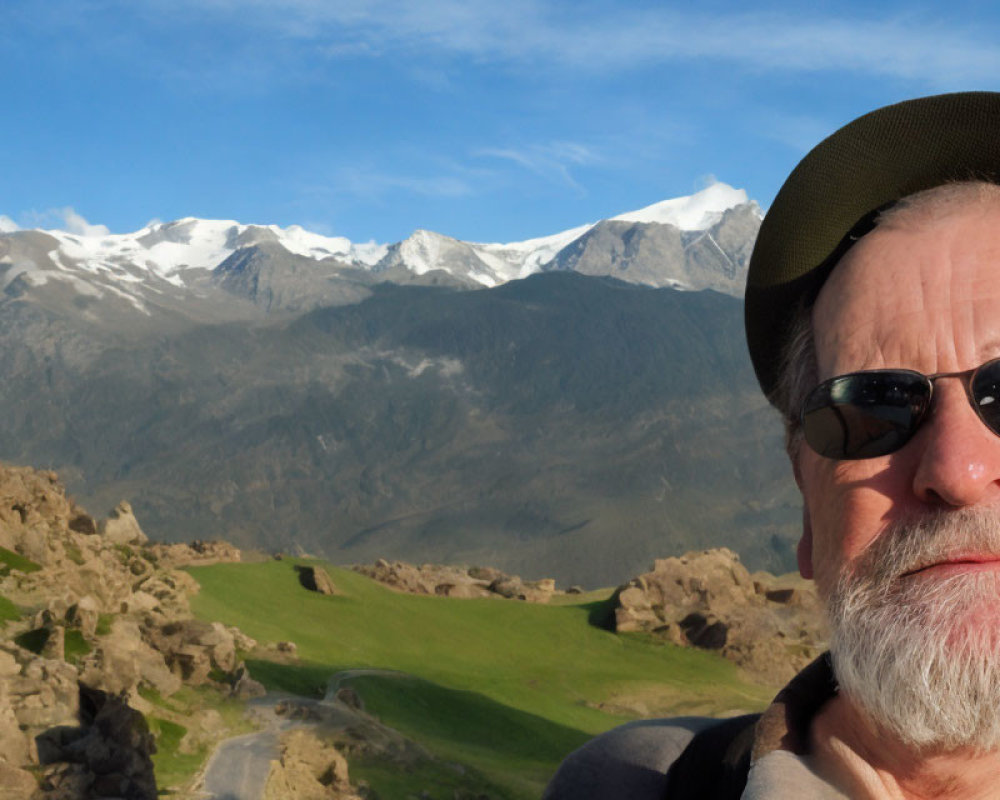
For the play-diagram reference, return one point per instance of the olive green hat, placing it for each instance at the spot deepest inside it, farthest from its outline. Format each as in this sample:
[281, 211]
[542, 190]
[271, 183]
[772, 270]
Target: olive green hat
[832, 196]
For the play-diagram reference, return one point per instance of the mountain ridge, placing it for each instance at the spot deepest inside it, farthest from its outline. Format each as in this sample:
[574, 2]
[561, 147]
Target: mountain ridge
[177, 257]
[573, 423]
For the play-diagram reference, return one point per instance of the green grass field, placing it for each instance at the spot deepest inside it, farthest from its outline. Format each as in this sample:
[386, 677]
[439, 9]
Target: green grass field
[8, 611]
[10, 560]
[502, 687]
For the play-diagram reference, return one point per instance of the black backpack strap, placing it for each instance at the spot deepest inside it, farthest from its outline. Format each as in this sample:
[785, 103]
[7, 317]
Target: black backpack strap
[715, 764]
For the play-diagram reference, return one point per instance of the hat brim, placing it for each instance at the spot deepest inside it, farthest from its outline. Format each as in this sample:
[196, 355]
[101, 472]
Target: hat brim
[868, 164]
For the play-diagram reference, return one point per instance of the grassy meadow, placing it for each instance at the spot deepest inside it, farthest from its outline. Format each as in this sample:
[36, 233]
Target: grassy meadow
[499, 691]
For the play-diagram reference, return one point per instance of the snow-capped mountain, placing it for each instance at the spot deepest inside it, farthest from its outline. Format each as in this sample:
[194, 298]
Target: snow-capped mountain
[281, 388]
[695, 242]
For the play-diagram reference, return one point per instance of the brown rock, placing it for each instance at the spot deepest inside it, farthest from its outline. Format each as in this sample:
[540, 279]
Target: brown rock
[308, 769]
[315, 579]
[83, 615]
[458, 582]
[195, 554]
[15, 783]
[122, 527]
[83, 523]
[123, 660]
[771, 627]
[245, 687]
[55, 643]
[192, 648]
[112, 744]
[287, 647]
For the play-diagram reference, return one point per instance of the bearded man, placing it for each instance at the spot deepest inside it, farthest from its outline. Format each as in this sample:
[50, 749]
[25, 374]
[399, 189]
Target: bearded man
[873, 322]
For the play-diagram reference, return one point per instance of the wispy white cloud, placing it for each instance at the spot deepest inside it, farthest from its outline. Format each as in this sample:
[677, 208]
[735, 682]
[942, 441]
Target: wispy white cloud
[7, 225]
[552, 160]
[604, 36]
[75, 223]
[63, 219]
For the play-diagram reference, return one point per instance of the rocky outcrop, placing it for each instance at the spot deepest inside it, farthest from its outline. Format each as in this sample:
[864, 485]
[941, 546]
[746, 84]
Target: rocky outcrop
[123, 660]
[449, 581]
[308, 769]
[107, 755]
[192, 649]
[315, 579]
[195, 554]
[244, 687]
[772, 627]
[99, 614]
[122, 527]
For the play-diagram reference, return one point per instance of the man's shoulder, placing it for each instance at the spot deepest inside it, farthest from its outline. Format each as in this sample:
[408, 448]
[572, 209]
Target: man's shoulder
[629, 761]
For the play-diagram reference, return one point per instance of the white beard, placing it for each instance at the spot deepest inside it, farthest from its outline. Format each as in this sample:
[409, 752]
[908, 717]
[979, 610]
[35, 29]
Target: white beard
[920, 656]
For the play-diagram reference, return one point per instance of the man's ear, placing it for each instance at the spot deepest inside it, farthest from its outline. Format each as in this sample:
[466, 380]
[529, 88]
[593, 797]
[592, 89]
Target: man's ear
[804, 552]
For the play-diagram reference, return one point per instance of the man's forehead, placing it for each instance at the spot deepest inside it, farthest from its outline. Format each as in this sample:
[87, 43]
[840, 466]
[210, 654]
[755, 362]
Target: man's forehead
[921, 293]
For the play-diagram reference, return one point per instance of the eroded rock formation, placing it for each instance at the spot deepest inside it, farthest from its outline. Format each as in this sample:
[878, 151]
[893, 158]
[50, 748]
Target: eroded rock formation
[449, 581]
[91, 614]
[772, 627]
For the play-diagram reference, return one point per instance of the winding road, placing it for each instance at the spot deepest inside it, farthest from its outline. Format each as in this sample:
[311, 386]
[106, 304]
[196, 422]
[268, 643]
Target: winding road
[239, 767]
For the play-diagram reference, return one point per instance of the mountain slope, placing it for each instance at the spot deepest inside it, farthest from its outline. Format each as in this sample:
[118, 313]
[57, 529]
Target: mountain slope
[560, 425]
[286, 389]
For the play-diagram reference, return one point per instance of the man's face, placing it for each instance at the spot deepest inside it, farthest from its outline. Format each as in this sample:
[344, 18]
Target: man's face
[919, 294]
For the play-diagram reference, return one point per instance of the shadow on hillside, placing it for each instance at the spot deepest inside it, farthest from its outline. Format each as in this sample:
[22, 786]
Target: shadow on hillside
[601, 613]
[444, 719]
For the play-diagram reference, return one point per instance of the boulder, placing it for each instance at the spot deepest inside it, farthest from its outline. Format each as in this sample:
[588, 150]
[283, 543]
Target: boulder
[193, 648]
[112, 744]
[195, 554]
[43, 694]
[15, 783]
[244, 687]
[308, 769]
[769, 626]
[122, 528]
[512, 588]
[83, 523]
[123, 660]
[14, 745]
[83, 615]
[315, 579]
[459, 582]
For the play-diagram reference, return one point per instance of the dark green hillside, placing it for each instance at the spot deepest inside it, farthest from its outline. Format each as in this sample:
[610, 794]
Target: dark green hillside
[502, 687]
[562, 425]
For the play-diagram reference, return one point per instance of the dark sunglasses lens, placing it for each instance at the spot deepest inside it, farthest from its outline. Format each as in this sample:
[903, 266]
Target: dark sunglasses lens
[865, 414]
[986, 394]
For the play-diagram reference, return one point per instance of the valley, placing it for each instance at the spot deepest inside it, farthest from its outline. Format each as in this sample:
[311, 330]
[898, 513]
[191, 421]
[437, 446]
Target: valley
[367, 690]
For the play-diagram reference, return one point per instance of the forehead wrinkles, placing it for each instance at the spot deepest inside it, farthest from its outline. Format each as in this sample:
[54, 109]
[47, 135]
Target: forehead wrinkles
[857, 318]
[910, 298]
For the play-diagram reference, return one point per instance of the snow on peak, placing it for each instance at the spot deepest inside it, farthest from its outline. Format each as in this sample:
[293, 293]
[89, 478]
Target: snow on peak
[693, 213]
[170, 250]
[421, 252]
[167, 249]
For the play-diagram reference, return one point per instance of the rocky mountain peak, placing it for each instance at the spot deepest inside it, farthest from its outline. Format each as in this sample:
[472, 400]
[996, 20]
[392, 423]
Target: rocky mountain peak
[162, 266]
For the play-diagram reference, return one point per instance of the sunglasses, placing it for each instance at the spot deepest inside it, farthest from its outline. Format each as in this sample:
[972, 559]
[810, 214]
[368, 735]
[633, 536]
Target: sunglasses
[875, 412]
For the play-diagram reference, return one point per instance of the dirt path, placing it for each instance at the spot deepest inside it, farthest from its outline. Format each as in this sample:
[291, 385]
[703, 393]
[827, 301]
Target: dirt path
[239, 767]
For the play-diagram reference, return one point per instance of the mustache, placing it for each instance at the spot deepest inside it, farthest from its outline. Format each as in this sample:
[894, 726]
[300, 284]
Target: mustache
[914, 543]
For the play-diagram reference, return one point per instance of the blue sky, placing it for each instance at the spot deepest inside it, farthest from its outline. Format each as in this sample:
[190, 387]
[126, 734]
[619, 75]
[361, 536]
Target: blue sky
[488, 120]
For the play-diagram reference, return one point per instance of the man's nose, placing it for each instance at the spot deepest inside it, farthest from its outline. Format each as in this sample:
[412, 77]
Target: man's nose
[959, 457]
